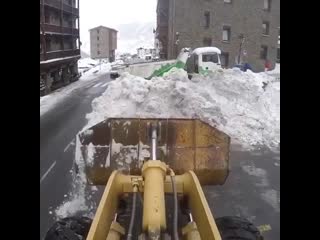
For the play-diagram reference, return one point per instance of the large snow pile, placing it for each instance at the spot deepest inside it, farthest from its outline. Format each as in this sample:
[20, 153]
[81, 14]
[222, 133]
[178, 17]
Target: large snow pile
[245, 105]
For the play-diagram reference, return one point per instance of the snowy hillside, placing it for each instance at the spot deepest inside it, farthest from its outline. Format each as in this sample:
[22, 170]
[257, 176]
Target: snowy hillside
[135, 35]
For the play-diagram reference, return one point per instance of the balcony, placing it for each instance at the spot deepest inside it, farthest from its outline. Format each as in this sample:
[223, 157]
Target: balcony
[59, 54]
[57, 5]
[57, 29]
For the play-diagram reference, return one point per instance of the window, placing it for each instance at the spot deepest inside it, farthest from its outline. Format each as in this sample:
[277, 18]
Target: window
[46, 17]
[207, 42]
[264, 52]
[98, 38]
[226, 32]
[210, 58]
[267, 5]
[224, 59]
[98, 52]
[227, 1]
[207, 19]
[265, 28]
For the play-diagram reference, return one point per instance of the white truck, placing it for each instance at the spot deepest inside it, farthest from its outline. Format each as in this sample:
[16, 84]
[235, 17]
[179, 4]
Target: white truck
[198, 61]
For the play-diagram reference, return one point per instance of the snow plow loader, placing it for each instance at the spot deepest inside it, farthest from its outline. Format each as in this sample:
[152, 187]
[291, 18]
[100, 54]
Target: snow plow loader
[153, 170]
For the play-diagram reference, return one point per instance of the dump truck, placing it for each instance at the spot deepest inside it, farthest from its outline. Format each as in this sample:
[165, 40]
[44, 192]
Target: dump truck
[153, 170]
[201, 60]
[198, 61]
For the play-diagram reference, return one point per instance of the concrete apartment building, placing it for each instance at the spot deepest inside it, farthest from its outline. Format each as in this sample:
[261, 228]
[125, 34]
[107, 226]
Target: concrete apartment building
[103, 43]
[248, 27]
[59, 43]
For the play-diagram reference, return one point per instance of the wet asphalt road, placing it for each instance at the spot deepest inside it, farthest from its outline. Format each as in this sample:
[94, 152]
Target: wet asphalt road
[252, 189]
[58, 128]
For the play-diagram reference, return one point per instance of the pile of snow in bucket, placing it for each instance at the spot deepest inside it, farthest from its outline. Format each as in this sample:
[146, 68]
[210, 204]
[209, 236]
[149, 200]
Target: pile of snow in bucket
[244, 105]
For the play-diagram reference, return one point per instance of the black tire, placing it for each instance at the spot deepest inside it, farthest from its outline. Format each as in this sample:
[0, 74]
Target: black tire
[237, 228]
[70, 228]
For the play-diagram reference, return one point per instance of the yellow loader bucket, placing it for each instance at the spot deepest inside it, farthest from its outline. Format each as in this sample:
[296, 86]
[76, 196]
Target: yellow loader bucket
[123, 144]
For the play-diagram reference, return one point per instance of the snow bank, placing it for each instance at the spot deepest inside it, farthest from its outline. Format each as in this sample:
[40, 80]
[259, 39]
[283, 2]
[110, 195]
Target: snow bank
[276, 70]
[80, 197]
[97, 70]
[245, 105]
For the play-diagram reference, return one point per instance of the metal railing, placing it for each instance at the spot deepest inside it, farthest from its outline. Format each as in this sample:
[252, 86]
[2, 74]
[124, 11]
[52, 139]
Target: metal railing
[59, 54]
[57, 29]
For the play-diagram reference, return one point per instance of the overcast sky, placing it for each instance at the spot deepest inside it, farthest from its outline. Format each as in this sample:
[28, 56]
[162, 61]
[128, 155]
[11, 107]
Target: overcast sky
[112, 13]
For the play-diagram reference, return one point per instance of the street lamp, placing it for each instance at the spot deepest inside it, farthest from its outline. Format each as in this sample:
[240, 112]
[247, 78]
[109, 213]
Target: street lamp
[177, 42]
[242, 38]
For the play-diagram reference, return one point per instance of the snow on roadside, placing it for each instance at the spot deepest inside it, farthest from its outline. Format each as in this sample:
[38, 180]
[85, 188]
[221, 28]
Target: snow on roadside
[79, 201]
[276, 70]
[49, 101]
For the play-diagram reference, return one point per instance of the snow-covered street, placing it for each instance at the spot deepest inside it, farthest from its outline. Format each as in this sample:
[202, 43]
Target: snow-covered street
[91, 71]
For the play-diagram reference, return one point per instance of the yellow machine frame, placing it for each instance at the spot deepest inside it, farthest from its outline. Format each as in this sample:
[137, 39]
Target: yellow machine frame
[184, 153]
[187, 184]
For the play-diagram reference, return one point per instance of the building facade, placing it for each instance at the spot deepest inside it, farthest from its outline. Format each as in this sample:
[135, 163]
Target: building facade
[244, 30]
[146, 53]
[103, 43]
[59, 43]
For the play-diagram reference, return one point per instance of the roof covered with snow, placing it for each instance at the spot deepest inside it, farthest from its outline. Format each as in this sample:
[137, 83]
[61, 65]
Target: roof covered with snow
[112, 29]
[203, 50]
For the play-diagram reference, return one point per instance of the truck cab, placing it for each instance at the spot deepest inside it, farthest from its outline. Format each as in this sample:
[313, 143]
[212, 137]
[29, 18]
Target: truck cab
[203, 60]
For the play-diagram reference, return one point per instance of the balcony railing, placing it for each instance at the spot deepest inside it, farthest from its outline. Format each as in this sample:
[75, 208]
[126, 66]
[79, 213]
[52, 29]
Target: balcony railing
[59, 54]
[57, 29]
[57, 4]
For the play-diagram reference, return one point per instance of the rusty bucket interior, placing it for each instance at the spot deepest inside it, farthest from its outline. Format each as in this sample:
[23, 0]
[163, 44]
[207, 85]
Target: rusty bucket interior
[123, 144]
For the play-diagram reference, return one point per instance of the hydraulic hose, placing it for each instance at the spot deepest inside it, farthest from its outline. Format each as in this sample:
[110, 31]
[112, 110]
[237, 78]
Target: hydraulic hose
[175, 209]
[133, 213]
